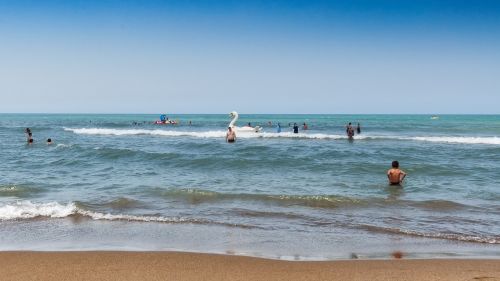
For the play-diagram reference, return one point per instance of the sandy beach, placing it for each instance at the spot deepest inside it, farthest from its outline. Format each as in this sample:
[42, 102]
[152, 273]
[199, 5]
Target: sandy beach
[192, 266]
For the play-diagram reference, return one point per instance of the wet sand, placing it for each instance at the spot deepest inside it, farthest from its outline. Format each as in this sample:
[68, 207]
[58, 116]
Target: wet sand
[124, 266]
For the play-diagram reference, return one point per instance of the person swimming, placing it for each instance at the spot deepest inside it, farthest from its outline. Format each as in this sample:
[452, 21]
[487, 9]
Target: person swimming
[49, 141]
[295, 128]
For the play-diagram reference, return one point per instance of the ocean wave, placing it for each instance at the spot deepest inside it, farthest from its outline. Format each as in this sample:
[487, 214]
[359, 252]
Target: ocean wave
[326, 201]
[269, 214]
[442, 205]
[197, 196]
[459, 140]
[62, 145]
[317, 200]
[202, 134]
[156, 132]
[123, 203]
[18, 191]
[120, 203]
[437, 235]
[27, 210]
[320, 136]
[440, 139]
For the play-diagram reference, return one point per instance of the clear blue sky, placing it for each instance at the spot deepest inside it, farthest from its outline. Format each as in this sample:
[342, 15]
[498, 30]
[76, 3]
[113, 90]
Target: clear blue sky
[251, 56]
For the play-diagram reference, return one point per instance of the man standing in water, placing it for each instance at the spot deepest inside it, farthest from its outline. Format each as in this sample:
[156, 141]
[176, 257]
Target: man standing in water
[350, 131]
[295, 128]
[231, 135]
[395, 175]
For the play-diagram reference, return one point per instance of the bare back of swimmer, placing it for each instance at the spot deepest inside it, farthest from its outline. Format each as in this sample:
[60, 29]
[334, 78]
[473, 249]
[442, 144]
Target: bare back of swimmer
[231, 135]
[395, 175]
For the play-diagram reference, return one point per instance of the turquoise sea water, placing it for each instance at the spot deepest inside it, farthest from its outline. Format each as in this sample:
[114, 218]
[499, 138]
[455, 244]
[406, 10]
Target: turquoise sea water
[121, 182]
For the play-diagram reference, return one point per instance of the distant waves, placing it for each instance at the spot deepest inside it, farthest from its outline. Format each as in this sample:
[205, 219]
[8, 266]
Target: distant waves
[221, 134]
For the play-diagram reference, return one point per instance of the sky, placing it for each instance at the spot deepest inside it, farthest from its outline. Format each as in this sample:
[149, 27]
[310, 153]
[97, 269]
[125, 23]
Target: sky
[325, 57]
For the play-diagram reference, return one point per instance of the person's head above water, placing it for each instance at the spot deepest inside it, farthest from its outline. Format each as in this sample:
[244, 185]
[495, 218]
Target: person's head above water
[49, 140]
[395, 164]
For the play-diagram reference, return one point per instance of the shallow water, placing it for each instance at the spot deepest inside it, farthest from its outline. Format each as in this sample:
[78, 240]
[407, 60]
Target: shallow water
[313, 194]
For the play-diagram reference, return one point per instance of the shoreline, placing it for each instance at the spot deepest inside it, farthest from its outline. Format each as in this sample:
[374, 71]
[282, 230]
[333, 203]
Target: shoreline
[113, 265]
[108, 236]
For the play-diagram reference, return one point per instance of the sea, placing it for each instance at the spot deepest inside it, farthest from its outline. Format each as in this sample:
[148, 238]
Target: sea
[121, 182]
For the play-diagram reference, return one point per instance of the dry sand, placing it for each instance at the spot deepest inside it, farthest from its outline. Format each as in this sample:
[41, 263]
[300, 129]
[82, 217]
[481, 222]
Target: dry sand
[124, 266]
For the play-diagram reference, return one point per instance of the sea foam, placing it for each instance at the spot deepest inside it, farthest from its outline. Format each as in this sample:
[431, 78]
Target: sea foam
[221, 134]
[28, 210]
[464, 140]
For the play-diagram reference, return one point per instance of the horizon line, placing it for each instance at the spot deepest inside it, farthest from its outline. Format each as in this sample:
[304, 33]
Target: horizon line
[136, 113]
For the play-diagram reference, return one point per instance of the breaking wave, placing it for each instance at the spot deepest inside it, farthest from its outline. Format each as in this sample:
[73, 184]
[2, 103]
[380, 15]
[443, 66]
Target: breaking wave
[198, 196]
[27, 210]
[436, 235]
[221, 134]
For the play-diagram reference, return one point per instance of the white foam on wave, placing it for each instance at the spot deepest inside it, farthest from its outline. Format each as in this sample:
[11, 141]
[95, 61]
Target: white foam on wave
[440, 139]
[29, 210]
[111, 217]
[205, 134]
[222, 134]
[8, 188]
[463, 140]
[62, 145]
[156, 132]
[298, 136]
[451, 236]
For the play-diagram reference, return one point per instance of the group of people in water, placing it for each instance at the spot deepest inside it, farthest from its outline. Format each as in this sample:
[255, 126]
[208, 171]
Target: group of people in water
[231, 134]
[395, 175]
[29, 137]
[295, 127]
[350, 130]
